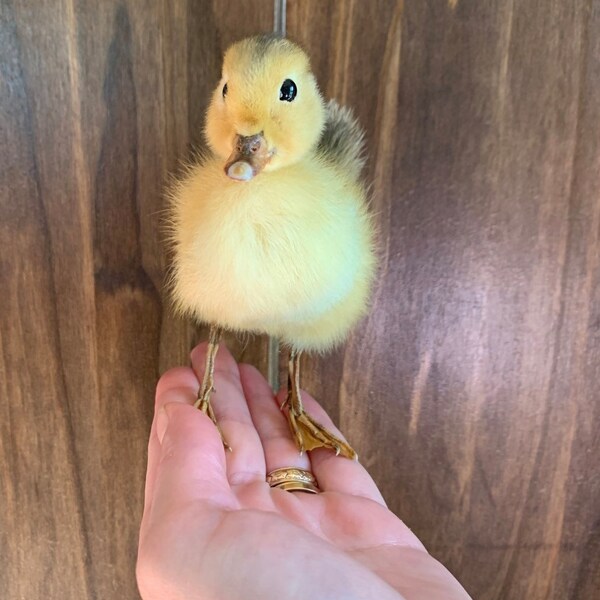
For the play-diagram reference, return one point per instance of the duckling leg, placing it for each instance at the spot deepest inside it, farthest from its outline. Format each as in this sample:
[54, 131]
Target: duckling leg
[207, 387]
[309, 434]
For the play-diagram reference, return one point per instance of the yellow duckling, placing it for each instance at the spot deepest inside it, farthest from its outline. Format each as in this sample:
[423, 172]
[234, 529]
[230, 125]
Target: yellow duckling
[271, 230]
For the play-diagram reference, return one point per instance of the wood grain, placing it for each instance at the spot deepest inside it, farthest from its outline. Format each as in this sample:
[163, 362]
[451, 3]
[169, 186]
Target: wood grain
[99, 103]
[471, 390]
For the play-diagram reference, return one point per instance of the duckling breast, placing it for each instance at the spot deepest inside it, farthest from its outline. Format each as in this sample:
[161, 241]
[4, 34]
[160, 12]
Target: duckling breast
[282, 249]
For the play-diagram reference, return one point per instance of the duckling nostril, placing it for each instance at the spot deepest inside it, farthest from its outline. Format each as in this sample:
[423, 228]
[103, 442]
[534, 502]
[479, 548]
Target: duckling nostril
[251, 144]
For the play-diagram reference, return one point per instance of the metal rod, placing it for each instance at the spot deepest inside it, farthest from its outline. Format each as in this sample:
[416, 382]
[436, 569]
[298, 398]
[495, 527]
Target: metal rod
[279, 27]
[280, 17]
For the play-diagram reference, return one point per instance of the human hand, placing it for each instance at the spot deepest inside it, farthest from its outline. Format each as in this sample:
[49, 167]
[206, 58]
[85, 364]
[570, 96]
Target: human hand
[213, 528]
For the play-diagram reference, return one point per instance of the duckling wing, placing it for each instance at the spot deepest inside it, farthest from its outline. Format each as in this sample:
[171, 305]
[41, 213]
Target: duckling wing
[343, 140]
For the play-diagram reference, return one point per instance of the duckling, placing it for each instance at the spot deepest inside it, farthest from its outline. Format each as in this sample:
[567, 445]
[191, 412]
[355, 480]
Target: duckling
[271, 230]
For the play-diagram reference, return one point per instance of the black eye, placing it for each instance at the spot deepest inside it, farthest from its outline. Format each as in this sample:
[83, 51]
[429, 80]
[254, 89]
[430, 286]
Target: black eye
[224, 90]
[288, 90]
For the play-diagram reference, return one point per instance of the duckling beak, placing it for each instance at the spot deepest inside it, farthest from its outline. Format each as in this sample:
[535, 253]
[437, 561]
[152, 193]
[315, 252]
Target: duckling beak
[249, 157]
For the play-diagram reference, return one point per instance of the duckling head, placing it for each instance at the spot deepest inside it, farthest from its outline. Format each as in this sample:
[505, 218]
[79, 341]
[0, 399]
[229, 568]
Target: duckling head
[267, 111]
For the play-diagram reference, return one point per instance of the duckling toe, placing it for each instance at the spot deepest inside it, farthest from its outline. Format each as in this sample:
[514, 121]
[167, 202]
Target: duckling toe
[310, 434]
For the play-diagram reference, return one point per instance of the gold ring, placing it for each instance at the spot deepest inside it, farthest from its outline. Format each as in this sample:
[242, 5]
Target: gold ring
[292, 479]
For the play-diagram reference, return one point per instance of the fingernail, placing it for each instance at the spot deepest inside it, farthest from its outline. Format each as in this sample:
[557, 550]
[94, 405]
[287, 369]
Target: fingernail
[162, 421]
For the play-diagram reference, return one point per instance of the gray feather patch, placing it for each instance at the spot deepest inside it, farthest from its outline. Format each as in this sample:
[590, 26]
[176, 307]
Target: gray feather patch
[343, 140]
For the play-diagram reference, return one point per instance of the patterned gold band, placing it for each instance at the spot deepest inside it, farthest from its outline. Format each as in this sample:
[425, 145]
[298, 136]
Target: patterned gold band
[292, 479]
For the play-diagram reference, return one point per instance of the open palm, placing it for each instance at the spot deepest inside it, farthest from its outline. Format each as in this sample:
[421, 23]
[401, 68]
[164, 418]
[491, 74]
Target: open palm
[213, 528]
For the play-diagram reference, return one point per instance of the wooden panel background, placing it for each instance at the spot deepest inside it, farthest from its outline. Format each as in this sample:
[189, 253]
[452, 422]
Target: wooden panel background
[471, 392]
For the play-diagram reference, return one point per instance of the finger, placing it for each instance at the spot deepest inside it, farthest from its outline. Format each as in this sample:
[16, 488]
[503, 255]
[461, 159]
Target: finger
[245, 463]
[191, 466]
[279, 448]
[176, 385]
[336, 473]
